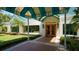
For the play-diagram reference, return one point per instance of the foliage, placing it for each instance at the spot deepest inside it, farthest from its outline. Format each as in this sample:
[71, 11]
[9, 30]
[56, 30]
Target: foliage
[17, 22]
[4, 18]
[4, 28]
[72, 43]
[2, 8]
[75, 20]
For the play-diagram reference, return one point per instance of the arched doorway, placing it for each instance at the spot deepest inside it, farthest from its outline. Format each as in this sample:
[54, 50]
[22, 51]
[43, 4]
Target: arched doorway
[50, 29]
[51, 25]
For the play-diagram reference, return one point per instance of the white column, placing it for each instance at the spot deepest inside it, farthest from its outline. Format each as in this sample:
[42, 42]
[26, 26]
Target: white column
[41, 29]
[20, 29]
[78, 33]
[61, 26]
[8, 28]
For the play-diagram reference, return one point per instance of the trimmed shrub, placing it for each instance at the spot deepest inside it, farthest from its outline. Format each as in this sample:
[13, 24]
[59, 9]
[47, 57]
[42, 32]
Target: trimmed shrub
[10, 43]
[6, 44]
[72, 44]
[33, 37]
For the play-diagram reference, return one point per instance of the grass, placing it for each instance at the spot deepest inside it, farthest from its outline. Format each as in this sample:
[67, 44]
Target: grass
[7, 40]
[4, 37]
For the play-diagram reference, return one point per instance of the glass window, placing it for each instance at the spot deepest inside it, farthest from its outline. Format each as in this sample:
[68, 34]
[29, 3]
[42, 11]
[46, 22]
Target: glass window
[31, 28]
[69, 29]
[15, 29]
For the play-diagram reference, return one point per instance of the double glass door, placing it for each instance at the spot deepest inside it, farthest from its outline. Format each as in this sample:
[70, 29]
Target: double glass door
[51, 30]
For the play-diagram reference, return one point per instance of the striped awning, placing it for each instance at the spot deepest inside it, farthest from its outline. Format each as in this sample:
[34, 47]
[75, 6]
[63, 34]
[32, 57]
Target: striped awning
[35, 11]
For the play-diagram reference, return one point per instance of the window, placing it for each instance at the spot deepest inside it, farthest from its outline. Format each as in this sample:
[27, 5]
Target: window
[15, 29]
[69, 29]
[31, 28]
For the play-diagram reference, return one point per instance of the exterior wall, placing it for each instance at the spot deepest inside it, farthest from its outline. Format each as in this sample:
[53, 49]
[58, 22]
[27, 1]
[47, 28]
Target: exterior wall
[21, 29]
[49, 19]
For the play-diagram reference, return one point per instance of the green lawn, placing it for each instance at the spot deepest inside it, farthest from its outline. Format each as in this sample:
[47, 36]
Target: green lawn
[4, 37]
[7, 40]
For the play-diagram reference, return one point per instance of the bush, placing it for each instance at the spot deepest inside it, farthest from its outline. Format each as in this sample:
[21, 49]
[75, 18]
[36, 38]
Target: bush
[72, 44]
[9, 43]
[33, 37]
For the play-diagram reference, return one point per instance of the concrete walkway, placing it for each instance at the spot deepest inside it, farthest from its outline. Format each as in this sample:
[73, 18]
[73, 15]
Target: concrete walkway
[42, 44]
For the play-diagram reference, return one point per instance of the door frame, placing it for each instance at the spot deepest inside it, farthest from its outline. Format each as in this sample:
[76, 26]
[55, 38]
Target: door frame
[49, 24]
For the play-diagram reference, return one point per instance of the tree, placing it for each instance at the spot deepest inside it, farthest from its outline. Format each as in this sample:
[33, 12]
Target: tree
[18, 23]
[2, 8]
[75, 20]
[3, 18]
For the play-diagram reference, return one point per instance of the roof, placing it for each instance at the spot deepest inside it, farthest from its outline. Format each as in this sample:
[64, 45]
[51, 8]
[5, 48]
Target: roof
[32, 21]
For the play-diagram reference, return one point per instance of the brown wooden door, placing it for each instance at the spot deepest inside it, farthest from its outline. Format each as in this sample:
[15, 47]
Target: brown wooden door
[51, 30]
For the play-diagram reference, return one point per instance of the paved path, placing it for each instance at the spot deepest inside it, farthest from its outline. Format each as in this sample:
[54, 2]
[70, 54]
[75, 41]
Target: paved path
[42, 44]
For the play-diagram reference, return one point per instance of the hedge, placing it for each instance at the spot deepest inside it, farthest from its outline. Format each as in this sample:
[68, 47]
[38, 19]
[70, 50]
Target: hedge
[10, 43]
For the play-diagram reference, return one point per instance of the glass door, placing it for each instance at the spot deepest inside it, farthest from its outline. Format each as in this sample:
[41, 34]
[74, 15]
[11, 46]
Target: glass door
[51, 30]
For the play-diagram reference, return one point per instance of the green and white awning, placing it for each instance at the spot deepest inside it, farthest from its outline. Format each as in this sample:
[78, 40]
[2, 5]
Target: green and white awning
[35, 11]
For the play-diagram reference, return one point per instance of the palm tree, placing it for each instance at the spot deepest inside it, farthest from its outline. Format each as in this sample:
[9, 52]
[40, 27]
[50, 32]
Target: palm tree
[75, 20]
[3, 18]
[18, 22]
[2, 8]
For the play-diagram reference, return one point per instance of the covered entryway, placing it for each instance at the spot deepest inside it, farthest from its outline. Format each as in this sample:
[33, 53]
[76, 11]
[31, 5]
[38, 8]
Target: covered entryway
[51, 26]
[50, 29]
